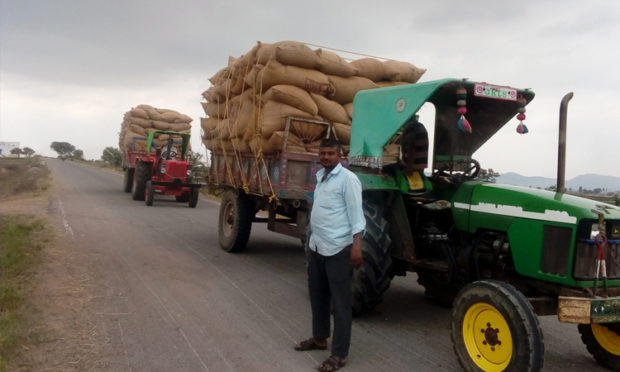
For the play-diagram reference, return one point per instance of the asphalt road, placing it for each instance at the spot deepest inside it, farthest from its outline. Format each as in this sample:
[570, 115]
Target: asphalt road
[169, 299]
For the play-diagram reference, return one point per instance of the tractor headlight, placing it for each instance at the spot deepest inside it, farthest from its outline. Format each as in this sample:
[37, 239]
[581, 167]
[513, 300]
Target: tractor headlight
[162, 169]
[189, 172]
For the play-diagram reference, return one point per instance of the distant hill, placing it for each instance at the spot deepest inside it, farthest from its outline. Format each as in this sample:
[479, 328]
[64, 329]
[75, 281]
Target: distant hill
[586, 181]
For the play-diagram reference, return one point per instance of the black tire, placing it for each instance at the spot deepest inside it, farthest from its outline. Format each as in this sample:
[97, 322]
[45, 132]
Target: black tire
[142, 175]
[183, 198]
[603, 342]
[235, 221]
[149, 193]
[511, 337]
[373, 278]
[128, 179]
[193, 198]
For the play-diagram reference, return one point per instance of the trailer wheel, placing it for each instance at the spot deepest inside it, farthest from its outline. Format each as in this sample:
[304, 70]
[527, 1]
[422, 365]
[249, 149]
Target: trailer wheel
[139, 180]
[373, 278]
[149, 193]
[494, 328]
[235, 221]
[183, 198]
[603, 342]
[193, 198]
[128, 179]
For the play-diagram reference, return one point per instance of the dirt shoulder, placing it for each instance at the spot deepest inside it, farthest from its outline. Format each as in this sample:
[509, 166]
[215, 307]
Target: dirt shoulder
[58, 320]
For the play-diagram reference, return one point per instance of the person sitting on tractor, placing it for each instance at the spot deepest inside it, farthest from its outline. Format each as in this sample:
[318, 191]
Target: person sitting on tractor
[413, 160]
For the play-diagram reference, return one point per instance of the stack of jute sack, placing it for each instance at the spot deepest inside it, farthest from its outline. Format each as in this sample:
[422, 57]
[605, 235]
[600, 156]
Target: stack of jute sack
[250, 100]
[142, 119]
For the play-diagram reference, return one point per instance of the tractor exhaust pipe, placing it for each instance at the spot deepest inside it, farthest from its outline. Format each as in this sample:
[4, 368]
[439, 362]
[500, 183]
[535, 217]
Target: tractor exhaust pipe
[561, 187]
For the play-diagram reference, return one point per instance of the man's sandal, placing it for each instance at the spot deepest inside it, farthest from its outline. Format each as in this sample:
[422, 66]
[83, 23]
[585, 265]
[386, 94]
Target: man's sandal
[310, 344]
[333, 363]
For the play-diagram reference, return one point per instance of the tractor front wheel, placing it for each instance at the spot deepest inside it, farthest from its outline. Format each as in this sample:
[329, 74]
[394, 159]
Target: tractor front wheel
[193, 197]
[603, 342]
[235, 221]
[128, 179]
[149, 193]
[494, 328]
[139, 180]
[373, 278]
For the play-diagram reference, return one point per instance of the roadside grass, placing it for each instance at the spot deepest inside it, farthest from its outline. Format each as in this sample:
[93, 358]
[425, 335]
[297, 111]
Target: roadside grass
[23, 175]
[21, 239]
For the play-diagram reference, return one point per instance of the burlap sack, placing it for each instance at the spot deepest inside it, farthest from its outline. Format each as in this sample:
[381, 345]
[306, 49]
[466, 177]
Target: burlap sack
[330, 110]
[274, 115]
[145, 107]
[223, 129]
[332, 64]
[182, 118]
[212, 95]
[275, 73]
[275, 143]
[308, 131]
[144, 123]
[220, 76]
[372, 69]
[391, 153]
[403, 71]
[154, 114]
[215, 110]
[160, 125]
[179, 127]
[349, 109]
[209, 127]
[343, 131]
[345, 88]
[138, 129]
[384, 84]
[169, 116]
[292, 96]
[244, 118]
[138, 113]
[290, 53]
[239, 145]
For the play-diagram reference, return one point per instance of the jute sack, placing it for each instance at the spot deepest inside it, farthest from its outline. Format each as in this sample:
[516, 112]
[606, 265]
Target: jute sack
[345, 88]
[169, 116]
[154, 114]
[138, 129]
[384, 84]
[349, 109]
[330, 110]
[184, 119]
[160, 125]
[145, 107]
[239, 145]
[244, 119]
[372, 69]
[275, 142]
[220, 76]
[243, 64]
[275, 73]
[290, 53]
[223, 129]
[292, 96]
[332, 64]
[308, 132]
[212, 95]
[403, 71]
[180, 127]
[209, 127]
[144, 123]
[215, 110]
[128, 139]
[274, 115]
[138, 113]
[343, 131]
[391, 153]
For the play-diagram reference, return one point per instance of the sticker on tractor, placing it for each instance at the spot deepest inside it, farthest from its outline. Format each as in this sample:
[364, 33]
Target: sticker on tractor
[495, 91]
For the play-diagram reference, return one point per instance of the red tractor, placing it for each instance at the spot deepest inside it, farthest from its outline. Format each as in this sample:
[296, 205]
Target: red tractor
[165, 172]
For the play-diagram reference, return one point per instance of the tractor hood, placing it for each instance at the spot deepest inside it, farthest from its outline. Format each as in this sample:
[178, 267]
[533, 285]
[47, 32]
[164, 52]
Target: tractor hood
[495, 206]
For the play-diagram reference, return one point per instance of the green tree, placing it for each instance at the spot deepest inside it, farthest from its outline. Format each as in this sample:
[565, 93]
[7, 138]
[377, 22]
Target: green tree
[111, 156]
[62, 148]
[78, 154]
[28, 151]
[17, 151]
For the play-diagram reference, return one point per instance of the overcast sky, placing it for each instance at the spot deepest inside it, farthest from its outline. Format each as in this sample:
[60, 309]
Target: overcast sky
[69, 69]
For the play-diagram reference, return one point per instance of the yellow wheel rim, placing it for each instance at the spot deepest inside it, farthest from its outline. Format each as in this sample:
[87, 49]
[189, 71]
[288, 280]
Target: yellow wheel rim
[487, 337]
[608, 339]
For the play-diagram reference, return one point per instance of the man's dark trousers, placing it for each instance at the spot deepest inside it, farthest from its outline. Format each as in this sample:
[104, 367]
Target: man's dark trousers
[329, 278]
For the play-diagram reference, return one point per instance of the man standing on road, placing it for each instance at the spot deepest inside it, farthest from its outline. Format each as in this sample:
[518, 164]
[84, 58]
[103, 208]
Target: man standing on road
[335, 248]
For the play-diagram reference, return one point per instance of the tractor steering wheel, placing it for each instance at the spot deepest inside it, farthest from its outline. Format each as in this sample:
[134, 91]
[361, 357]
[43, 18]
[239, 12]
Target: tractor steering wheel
[447, 172]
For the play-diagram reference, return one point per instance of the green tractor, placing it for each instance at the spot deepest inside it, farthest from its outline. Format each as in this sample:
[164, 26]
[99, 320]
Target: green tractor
[500, 254]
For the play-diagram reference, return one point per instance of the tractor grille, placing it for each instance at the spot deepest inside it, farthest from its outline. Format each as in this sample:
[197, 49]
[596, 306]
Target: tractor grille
[585, 260]
[556, 247]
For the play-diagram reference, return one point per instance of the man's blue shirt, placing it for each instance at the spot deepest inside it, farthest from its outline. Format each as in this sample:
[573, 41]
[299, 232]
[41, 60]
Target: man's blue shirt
[337, 212]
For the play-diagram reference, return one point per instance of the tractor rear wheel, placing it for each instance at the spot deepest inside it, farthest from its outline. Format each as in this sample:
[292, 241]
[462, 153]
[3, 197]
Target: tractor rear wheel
[373, 278]
[494, 328]
[193, 197]
[235, 221]
[603, 342]
[149, 193]
[128, 179]
[139, 180]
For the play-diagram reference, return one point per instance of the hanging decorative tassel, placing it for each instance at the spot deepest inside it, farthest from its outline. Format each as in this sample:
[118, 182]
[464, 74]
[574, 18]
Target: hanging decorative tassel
[462, 123]
[521, 128]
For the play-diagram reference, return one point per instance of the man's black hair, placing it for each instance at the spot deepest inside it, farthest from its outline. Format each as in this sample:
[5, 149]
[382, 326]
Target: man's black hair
[330, 142]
